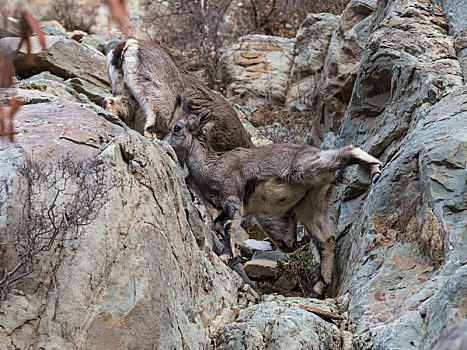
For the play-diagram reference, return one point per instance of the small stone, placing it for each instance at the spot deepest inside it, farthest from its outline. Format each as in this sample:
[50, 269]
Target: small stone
[95, 41]
[250, 246]
[77, 35]
[268, 255]
[53, 28]
[260, 268]
[300, 107]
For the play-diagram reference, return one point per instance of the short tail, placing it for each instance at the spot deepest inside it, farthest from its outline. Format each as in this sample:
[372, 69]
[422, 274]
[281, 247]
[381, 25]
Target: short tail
[117, 55]
[115, 62]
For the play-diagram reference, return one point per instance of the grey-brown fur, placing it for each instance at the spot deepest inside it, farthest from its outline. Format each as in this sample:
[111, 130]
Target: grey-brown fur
[288, 181]
[151, 93]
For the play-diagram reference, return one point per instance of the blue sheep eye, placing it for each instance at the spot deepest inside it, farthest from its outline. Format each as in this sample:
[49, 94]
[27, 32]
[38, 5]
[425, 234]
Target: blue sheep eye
[177, 128]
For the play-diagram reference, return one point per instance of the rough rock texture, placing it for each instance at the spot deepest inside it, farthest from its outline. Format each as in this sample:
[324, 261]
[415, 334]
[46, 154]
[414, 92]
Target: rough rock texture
[400, 250]
[143, 261]
[260, 268]
[9, 27]
[391, 83]
[51, 84]
[257, 69]
[408, 65]
[412, 253]
[453, 338]
[95, 93]
[64, 57]
[334, 87]
[312, 41]
[96, 41]
[269, 255]
[456, 15]
[280, 323]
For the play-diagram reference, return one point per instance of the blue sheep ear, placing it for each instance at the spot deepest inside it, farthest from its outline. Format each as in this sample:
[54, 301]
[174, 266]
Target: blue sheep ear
[204, 117]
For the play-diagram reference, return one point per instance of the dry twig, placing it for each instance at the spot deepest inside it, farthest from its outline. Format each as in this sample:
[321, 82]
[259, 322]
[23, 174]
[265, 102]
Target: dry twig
[321, 313]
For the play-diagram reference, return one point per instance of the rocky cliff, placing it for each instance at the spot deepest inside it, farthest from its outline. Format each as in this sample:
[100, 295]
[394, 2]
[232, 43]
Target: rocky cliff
[132, 264]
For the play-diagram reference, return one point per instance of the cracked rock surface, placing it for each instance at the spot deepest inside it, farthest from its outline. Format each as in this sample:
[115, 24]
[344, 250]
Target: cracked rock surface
[142, 263]
[282, 323]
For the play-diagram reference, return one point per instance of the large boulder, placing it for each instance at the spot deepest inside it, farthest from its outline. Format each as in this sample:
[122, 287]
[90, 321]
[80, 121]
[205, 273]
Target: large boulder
[139, 273]
[284, 323]
[405, 273]
[256, 69]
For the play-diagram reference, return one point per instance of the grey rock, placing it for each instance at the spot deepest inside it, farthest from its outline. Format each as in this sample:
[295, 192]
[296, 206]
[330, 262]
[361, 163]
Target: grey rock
[453, 338]
[401, 245]
[46, 75]
[250, 246]
[260, 268]
[312, 41]
[334, 87]
[48, 30]
[329, 141]
[391, 70]
[96, 41]
[64, 57]
[388, 271]
[95, 93]
[455, 12]
[51, 84]
[30, 95]
[268, 255]
[460, 41]
[279, 324]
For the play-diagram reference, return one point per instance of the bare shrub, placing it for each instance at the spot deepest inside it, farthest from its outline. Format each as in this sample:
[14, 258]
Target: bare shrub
[53, 202]
[284, 17]
[192, 30]
[301, 267]
[74, 14]
[196, 30]
[281, 126]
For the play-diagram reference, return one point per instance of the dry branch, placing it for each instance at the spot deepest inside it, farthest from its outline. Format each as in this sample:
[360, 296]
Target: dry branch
[321, 313]
[54, 202]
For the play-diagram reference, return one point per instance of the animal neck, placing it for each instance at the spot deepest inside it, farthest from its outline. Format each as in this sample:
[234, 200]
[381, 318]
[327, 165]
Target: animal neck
[198, 158]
